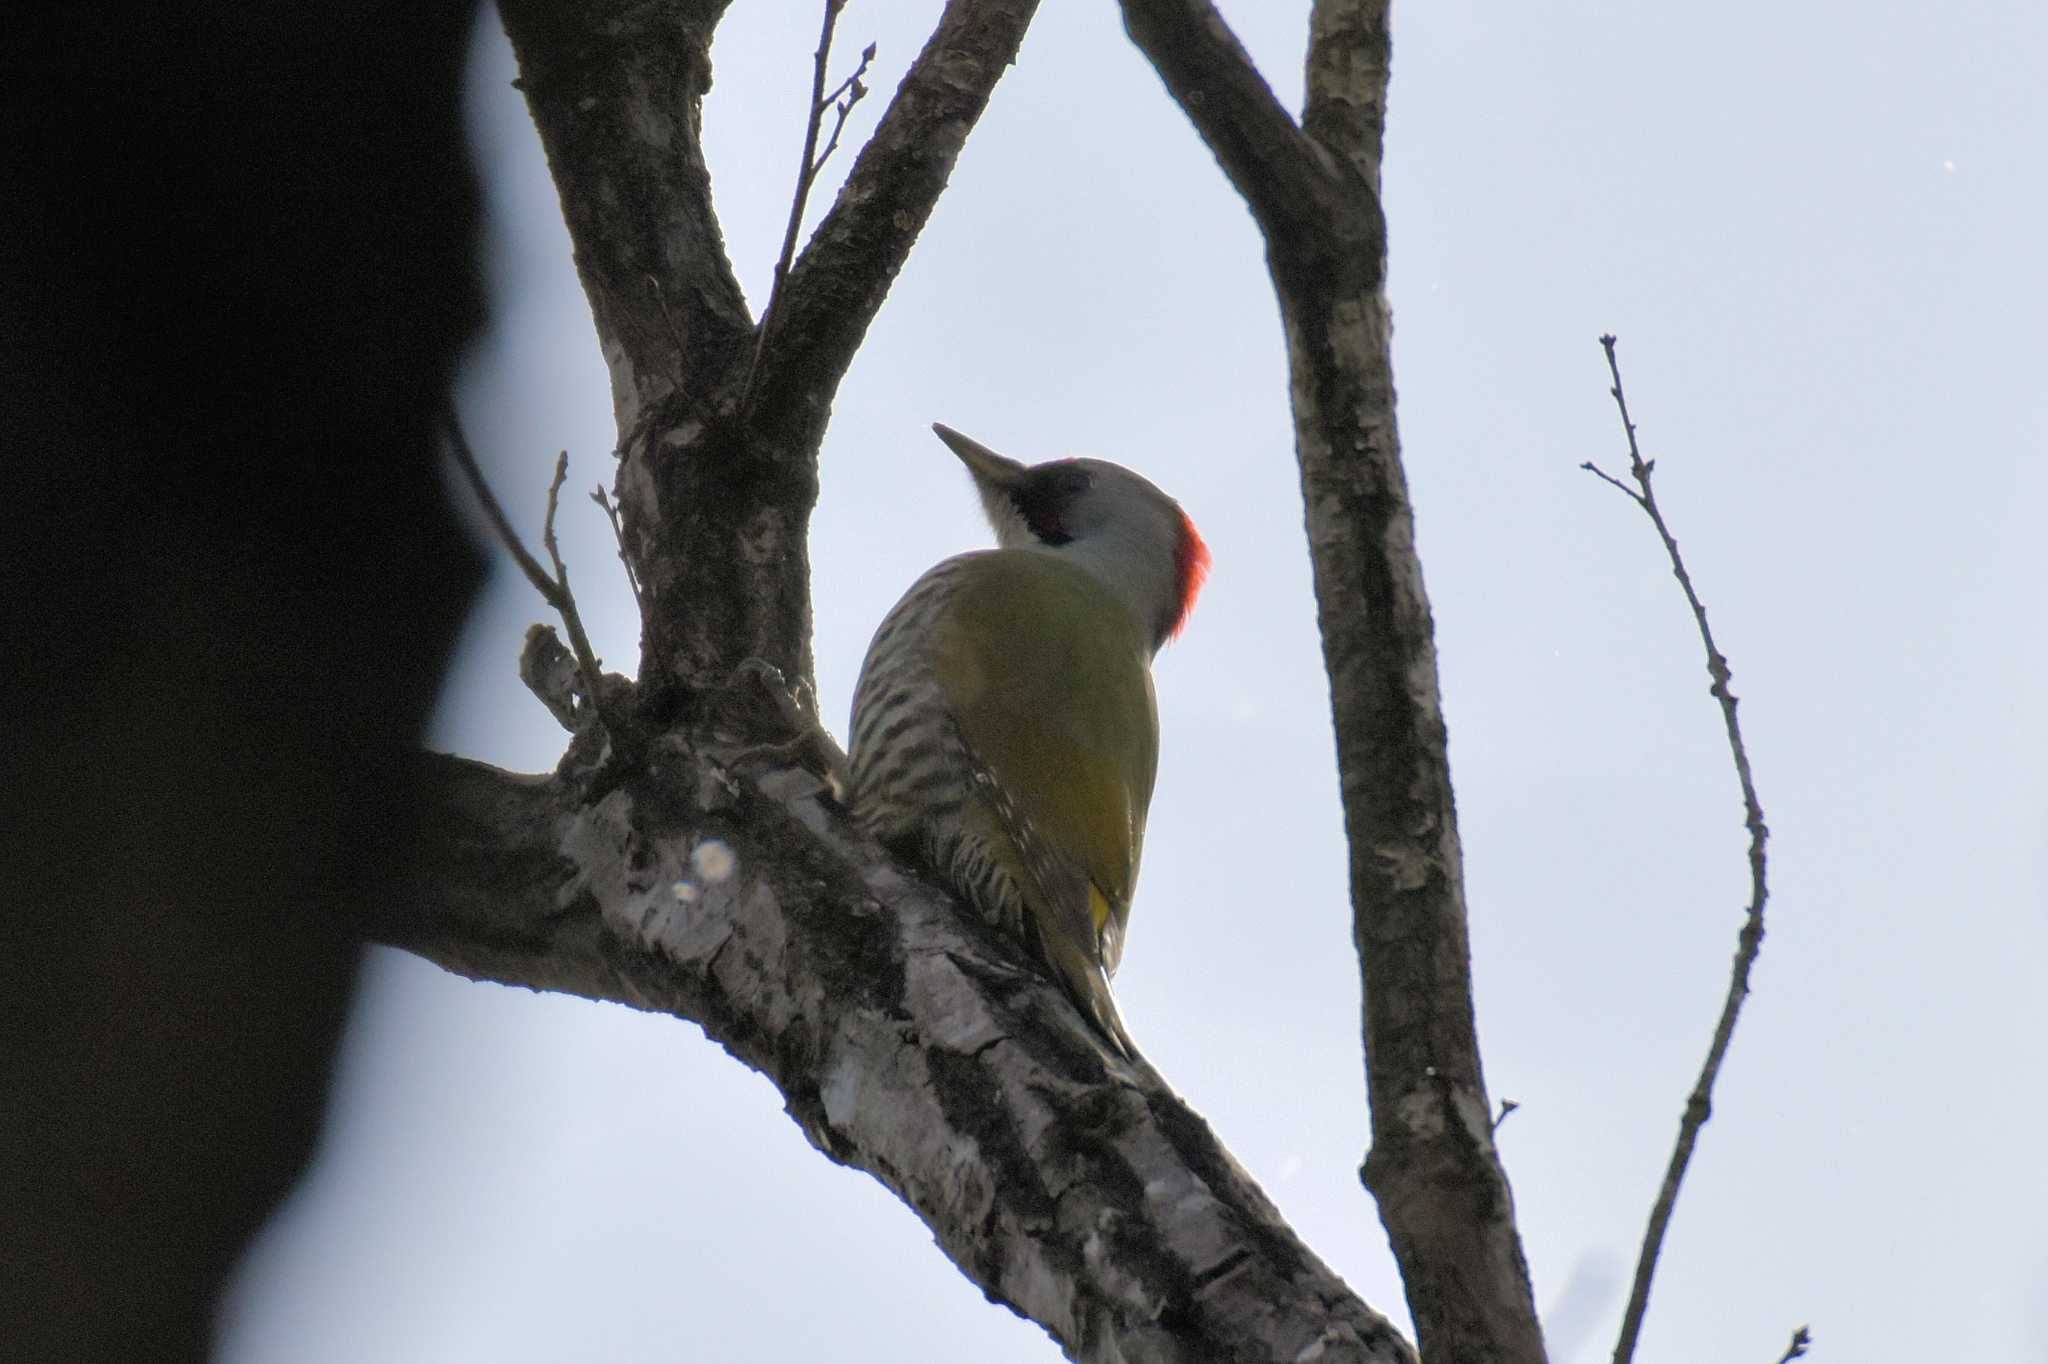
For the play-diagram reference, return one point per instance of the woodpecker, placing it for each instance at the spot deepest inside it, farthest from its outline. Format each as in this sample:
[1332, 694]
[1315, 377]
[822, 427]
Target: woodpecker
[1004, 730]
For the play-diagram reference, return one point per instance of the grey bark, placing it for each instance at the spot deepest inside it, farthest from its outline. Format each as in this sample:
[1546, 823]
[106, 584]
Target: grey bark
[1314, 190]
[676, 862]
[907, 1041]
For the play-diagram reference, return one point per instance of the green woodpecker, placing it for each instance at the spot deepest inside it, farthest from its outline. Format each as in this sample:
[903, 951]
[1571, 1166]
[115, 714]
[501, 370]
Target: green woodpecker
[1004, 730]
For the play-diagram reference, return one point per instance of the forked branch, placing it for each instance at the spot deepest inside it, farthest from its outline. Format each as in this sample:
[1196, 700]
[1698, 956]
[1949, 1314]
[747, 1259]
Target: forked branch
[553, 587]
[835, 285]
[1698, 1105]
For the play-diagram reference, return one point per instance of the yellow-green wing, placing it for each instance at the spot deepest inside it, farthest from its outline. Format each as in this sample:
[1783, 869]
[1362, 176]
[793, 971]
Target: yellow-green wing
[1049, 680]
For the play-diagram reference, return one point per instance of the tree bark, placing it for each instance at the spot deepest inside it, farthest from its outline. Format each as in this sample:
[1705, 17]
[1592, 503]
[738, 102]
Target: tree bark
[1314, 190]
[907, 1040]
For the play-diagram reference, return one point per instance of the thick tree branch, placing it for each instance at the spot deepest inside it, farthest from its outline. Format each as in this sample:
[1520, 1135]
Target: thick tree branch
[1433, 1168]
[907, 1042]
[1349, 55]
[617, 90]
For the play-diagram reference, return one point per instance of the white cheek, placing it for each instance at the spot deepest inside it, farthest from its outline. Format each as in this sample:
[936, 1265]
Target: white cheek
[1006, 521]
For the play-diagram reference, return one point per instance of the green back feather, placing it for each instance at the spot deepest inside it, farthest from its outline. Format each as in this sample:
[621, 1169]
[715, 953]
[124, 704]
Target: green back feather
[1048, 677]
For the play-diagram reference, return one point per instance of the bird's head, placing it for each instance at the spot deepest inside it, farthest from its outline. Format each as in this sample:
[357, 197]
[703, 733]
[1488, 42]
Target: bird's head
[1112, 521]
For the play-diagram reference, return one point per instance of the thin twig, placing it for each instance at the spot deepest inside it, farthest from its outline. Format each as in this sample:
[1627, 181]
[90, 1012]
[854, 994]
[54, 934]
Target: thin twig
[465, 459]
[553, 588]
[611, 514]
[842, 99]
[1801, 1338]
[1602, 474]
[1698, 1105]
[572, 620]
[807, 174]
[1507, 1106]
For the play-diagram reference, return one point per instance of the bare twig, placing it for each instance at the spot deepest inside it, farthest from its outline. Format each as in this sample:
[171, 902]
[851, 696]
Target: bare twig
[465, 459]
[611, 514]
[1699, 1105]
[553, 587]
[572, 620]
[841, 274]
[807, 174]
[1507, 1106]
[1606, 477]
[1801, 1338]
[848, 93]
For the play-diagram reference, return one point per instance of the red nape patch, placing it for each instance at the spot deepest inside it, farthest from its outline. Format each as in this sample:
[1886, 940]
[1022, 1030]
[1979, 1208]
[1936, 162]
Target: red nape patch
[1191, 564]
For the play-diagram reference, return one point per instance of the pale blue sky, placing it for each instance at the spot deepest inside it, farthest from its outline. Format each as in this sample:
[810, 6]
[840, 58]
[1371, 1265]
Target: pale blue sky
[1816, 230]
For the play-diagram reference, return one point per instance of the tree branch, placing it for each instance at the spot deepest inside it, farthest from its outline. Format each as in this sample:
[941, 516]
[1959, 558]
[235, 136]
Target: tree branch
[808, 167]
[572, 619]
[1699, 1104]
[611, 514]
[844, 96]
[1442, 1192]
[616, 91]
[1349, 59]
[553, 587]
[1288, 179]
[907, 1041]
[839, 282]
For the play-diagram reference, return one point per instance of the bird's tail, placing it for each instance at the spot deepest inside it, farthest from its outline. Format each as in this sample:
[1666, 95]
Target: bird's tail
[1087, 984]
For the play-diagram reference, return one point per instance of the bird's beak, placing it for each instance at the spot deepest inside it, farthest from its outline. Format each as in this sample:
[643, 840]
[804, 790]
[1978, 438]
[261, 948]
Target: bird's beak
[990, 470]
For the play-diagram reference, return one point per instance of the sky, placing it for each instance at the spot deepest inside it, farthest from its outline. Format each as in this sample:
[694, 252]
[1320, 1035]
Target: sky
[1815, 229]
